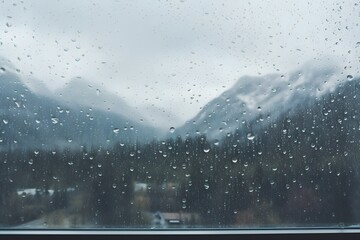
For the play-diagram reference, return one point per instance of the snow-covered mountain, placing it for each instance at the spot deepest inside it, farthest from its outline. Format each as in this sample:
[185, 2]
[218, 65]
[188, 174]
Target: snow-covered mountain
[255, 100]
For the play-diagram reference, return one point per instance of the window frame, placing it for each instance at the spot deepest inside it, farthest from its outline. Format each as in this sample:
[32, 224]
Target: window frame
[262, 234]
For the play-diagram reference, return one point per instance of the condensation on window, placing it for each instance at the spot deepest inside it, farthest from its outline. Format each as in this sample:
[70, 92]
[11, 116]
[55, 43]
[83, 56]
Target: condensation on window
[179, 114]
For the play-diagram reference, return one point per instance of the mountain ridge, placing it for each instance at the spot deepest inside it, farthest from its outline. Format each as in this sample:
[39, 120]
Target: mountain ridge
[30, 120]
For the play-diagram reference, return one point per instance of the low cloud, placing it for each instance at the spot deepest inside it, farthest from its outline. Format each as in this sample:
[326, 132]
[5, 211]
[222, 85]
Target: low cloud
[173, 57]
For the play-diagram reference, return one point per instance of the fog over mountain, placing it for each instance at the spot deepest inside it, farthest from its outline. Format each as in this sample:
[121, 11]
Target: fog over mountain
[87, 94]
[32, 120]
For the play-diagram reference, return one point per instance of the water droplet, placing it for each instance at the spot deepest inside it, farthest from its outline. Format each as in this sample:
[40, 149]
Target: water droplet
[349, 77]
[251, 189]
[54, 120]
[114, 185]
[98, 92]
[216, 143]
[250, 136]
[5, 121]
[116, 130]
[234, 160]
[172, 130]
[206, 150]
[2, 69]
[70, 163]
[206, 186]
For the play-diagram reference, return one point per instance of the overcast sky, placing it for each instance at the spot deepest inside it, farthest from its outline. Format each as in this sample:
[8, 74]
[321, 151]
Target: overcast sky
[173, 56]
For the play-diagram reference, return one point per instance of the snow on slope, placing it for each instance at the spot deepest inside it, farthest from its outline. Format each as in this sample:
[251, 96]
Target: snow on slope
[257, 98]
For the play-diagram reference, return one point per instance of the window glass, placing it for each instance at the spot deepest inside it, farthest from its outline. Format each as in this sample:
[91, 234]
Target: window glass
[179, 114]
